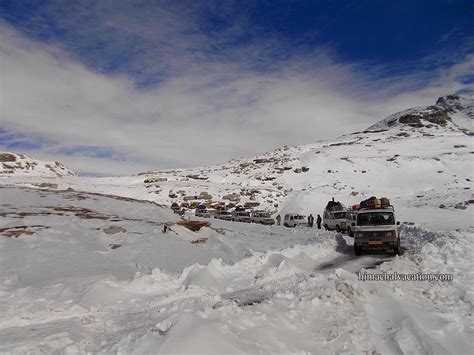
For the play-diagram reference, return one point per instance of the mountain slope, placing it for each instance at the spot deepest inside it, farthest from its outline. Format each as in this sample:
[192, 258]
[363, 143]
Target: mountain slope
[14, 164]
[424, 161]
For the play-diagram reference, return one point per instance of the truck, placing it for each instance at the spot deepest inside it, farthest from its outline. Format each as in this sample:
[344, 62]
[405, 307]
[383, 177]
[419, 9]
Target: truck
[375, 229]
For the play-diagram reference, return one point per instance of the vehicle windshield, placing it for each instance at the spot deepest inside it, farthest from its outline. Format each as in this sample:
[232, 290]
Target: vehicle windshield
[375, 218]
[339, 215]
[299, 217]
[262, 214]
[244, 214]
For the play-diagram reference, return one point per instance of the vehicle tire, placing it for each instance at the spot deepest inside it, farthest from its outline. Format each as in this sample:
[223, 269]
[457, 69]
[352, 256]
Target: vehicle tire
[338, 229]
[326, 227]
[397, 249]
[357, 250]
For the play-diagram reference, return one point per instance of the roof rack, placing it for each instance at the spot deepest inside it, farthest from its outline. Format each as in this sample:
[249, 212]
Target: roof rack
[376, 208]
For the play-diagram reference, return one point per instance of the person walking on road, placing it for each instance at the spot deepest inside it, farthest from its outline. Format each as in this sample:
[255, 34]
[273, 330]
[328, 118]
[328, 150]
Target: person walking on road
[311, 220]
[278, 218]
[318, 221]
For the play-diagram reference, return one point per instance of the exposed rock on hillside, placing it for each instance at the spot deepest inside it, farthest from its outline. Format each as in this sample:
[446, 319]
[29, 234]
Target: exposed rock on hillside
[450, 110]
[13, 164]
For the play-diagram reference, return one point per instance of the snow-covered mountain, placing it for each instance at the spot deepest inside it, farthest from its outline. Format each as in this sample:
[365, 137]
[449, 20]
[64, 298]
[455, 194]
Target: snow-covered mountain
[15, 164]
[87, 267]
[451, 112]
[420, 157]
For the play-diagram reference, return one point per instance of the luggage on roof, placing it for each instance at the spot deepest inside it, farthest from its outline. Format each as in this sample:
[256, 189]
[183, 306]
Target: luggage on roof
[373, 202]
[385, 202]
[334, 206]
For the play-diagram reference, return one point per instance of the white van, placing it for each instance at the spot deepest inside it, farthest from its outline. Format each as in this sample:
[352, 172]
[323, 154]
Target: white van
[293, 220]
[376, 229]
[334, 220]
[223, 214]
[262, 217]
[241, 216]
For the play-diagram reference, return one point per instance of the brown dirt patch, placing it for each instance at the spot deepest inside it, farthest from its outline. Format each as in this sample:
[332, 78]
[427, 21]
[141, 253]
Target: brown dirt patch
[199, 241]
[84, 213]
[115, 246]
[16, 232]
[194, 225]
[114, 230]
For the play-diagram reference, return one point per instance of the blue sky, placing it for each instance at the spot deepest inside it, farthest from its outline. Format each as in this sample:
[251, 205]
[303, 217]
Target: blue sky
[224, 58]
[142, 38]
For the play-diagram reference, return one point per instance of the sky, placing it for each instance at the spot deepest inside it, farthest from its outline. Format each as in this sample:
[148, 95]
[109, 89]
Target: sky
[119, 87]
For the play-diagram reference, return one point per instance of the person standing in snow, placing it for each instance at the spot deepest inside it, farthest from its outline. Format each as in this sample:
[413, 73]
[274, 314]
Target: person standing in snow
[311, 220]
[318, 221]
[278, 218]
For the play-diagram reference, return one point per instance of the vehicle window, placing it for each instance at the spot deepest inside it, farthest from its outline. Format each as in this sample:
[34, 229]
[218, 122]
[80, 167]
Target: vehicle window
[340, 215]
[375, 218]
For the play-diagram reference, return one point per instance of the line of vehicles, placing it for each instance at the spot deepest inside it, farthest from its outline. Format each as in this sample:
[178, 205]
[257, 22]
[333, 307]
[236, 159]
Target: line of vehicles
[238, 215]
[372, 223]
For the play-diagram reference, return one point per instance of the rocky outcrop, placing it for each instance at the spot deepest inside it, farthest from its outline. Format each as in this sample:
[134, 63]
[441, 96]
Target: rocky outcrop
[15, 164]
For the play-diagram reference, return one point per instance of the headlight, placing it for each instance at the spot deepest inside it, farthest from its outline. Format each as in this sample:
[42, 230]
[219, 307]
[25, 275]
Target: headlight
[391, 234]
[358, 235]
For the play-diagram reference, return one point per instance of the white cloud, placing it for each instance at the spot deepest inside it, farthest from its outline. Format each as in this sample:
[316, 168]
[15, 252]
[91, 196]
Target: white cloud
[206, 116]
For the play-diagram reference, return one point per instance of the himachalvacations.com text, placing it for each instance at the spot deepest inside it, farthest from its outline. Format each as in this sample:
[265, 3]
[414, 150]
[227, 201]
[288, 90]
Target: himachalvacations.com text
[395, 276]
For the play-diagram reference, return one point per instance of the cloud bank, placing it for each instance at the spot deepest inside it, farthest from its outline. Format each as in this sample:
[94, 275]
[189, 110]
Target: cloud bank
[55, 107]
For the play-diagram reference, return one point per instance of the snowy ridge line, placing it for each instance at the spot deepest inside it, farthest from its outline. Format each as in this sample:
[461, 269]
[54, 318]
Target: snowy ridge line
[27, 186]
